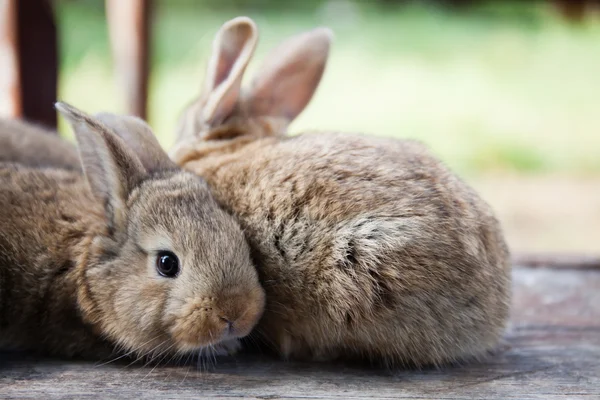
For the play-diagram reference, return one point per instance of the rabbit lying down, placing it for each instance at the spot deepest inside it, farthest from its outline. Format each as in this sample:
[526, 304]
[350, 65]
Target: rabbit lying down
[29, 144]
[134, 254]
[366, 247]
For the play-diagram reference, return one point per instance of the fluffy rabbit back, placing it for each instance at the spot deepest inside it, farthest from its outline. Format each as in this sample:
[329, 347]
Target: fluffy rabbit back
[29, 144]
[400, 261]
[367, 247]
[45, 215]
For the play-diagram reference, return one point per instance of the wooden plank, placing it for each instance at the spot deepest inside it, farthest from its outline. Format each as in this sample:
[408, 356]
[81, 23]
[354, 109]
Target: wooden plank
[552, 351]
[129, 29]
[10, 91]
[557, 260]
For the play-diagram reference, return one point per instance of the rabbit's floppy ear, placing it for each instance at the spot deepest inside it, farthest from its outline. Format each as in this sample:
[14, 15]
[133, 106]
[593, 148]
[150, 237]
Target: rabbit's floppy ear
[112, 170]
[289, 77]
[233, 47]
[138, 136]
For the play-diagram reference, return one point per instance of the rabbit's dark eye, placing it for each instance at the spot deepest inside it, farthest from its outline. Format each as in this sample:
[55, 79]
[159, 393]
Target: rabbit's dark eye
[167, 264]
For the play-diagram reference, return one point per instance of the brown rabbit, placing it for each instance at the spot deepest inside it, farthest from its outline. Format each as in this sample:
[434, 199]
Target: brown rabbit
[136, 255]
[29, 144]
[367, 247]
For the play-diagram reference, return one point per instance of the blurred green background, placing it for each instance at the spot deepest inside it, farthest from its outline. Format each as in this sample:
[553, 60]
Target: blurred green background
[504, 93]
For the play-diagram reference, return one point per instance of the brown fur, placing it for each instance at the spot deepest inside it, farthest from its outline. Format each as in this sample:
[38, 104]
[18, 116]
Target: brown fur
[77, 266]
[28, 144]
[367, 247]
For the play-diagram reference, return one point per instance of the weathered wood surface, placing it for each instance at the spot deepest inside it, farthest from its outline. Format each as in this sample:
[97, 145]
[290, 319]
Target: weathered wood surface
[552, 350]
[557, 260]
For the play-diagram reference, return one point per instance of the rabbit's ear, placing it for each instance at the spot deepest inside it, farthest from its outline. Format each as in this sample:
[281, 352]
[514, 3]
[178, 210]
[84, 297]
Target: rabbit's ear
[112, 170]
[233, 47]
[139, 137]
[290, 75]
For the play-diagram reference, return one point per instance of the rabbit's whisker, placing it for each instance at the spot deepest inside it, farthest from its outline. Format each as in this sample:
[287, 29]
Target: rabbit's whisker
[128, 353]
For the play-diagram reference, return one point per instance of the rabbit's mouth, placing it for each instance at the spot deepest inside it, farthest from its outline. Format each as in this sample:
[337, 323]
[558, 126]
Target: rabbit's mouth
[212, 321]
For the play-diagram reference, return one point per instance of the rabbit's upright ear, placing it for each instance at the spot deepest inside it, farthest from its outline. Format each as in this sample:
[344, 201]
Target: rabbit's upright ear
[290, 75]
[111, 168]
[233, 47]
[138, 136]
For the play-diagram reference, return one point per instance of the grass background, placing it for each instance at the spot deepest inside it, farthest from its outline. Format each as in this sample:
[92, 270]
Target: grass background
[509, 88]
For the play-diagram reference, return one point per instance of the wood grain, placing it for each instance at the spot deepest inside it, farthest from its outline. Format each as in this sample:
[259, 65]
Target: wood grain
[557, 260]
[551, 351]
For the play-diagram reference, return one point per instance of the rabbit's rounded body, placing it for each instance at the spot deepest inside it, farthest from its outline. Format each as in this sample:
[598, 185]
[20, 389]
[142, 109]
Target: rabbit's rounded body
[366, 247]
[132, 256]
[55, 217]
[29, 144]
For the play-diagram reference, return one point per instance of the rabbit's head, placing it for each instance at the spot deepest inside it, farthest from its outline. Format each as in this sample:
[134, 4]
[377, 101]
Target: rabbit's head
[171, 272]
[282, 88]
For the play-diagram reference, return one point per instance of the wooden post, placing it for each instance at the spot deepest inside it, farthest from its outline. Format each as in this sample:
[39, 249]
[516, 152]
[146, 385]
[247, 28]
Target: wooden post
[10, 91]
[38, 60]
[573, 10]
[129, 29]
